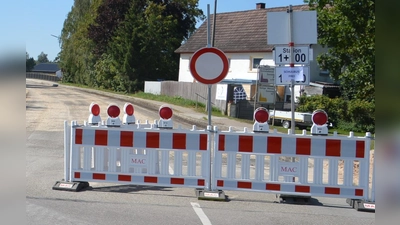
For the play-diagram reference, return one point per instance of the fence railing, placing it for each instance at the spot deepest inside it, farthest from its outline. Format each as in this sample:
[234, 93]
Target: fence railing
[42, 76]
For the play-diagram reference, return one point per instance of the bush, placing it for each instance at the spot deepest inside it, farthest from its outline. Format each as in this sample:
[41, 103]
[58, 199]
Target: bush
[355, 115]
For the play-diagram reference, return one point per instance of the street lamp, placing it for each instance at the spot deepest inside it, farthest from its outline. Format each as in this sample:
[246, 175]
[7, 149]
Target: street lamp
[59, 39]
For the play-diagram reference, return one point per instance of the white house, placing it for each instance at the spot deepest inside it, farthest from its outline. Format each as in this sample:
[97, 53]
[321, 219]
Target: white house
[242, 36]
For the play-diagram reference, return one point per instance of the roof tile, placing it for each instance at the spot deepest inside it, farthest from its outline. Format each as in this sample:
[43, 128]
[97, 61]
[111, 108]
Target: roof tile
[242, 31]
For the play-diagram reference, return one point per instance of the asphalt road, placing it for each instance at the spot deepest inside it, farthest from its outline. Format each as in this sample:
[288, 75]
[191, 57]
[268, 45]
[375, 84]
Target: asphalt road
[46, 109]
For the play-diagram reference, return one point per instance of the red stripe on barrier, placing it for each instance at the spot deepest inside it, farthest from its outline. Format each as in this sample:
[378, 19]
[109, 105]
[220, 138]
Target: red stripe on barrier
[78, 136]
[245, 143]
[203, 142]
[152, 140]
[303, 146]
[332, 148]
[242, 184]
[300, 188]
[126, 139]
[332, 191]
[200, 182]
[220, 183]
[77, 175]
[273, 187]
[179, 141]
[178, 181]
[359, 192]
[100, 137]
[221, 142]
[125, 178]
[360, 149]
[274, 145]
[150, 179]
[99, 176]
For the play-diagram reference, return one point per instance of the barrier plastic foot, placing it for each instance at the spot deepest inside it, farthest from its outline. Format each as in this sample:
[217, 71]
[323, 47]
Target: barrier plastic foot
[361, 205]
[218, 195]
[70, 186]
[299, 199]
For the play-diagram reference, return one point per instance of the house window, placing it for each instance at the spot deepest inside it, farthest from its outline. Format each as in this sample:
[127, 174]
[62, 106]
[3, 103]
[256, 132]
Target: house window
[256, 62]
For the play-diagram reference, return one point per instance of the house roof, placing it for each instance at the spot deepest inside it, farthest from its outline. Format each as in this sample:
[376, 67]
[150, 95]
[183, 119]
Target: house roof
[46, 67]
[241, 31]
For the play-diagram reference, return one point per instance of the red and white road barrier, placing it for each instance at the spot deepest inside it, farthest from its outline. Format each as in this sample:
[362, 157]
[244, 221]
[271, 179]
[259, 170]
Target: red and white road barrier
[128, 152]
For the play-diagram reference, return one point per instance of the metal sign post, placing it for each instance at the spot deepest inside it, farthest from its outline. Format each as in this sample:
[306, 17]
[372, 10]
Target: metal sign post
[209, 45]
[291, 45]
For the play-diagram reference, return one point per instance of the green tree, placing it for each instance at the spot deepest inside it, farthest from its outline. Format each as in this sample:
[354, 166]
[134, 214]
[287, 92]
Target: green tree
[30, 62]
[144, 44]
[119, 44]
[76, 59]
[348, 29]
[42, 58]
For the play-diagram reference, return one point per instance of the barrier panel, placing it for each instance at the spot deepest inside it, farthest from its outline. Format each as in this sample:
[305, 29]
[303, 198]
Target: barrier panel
[212, 161]
[140, 156]
[270, 158]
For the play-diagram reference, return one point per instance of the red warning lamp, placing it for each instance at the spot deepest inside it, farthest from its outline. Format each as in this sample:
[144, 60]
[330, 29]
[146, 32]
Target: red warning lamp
[261, 116]
[165, 113]
[94, 117]
[128, 109]
[128, 118]
[95, 109]
[320, 117]
[113, 111]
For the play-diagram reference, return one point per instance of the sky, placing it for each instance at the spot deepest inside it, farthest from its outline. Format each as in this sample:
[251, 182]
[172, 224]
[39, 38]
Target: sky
[30, 24]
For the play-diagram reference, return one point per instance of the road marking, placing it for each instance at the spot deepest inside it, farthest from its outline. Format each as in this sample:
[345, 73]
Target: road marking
[200, 213]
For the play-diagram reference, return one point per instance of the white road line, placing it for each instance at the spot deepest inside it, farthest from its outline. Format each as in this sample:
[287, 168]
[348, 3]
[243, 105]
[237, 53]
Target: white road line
[197, 209]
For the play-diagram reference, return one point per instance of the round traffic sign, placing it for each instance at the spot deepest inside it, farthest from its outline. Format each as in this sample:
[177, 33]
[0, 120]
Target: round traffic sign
[209, 65]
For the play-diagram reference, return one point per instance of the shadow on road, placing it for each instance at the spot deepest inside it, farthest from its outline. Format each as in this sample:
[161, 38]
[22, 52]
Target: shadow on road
[292, 201]
[38, 86]
[34, 107]
[127, 188]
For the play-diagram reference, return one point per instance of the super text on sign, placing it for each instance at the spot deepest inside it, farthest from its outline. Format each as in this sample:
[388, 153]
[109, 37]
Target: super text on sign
[300, 55]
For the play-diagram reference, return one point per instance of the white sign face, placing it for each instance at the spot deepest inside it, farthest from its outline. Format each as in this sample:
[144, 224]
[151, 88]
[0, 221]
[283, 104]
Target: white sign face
[284, 75]
[222, 91]
[304, 28]
[267, 75]
[300, 55]
[266, 94]
[209, 65]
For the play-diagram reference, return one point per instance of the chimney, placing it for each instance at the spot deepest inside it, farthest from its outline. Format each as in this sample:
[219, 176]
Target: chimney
[260, 5]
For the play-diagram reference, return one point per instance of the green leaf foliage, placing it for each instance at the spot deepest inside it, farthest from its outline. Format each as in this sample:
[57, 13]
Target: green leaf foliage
[355, 115]
[348, 29]
[42, 58]
[30, 62]
[118, 44]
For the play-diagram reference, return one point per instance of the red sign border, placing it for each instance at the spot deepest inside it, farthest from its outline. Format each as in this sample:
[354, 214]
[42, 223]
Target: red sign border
[196, 55]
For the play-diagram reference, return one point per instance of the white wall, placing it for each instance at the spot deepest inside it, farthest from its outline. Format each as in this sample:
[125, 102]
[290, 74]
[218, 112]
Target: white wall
[240, 66]
[153, 87]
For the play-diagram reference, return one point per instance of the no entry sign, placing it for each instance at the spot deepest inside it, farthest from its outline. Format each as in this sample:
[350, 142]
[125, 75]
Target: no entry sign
[209, 65]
